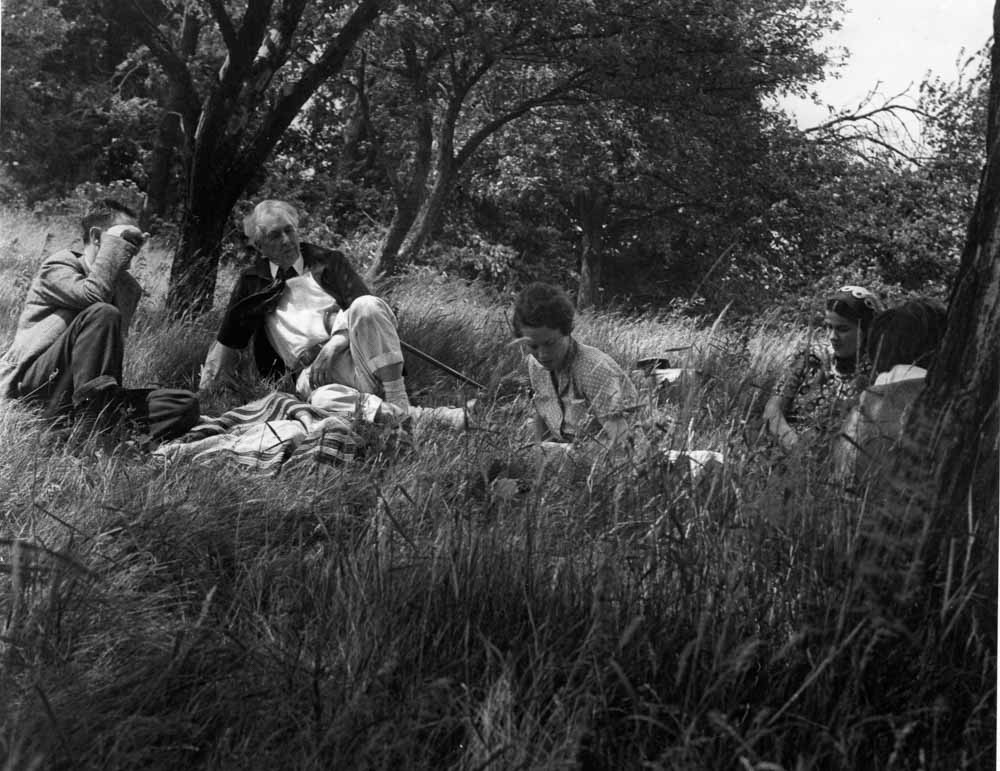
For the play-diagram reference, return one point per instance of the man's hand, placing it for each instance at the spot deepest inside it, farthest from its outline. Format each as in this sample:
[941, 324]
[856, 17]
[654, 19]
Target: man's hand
[324, 365]
[130, 233]
[217, 371]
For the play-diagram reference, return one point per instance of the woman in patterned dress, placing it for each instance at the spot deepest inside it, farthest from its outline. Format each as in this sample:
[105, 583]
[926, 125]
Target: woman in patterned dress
[820, 385]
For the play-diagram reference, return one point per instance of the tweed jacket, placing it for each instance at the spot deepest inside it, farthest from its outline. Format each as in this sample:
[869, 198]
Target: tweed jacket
[256, 294]
[62, 288]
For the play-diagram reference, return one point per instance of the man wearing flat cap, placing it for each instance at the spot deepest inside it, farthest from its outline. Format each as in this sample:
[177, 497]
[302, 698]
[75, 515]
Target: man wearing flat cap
[308, 314]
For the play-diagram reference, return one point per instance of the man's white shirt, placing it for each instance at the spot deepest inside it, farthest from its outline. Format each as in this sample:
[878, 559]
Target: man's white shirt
[305, 318]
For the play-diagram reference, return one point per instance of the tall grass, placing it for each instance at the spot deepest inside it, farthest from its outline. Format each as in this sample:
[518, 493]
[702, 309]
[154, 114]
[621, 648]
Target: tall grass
[410, 614]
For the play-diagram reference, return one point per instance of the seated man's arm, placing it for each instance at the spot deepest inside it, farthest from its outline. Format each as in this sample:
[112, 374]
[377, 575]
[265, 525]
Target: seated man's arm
[60, 283]
[323, 367]
[242, 318]
[220, 363]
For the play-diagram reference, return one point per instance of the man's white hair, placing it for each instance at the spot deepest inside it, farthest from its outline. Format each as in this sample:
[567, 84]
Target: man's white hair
[251, 223]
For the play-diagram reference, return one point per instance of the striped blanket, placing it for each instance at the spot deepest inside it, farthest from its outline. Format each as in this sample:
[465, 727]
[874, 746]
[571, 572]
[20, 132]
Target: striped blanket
[276, 432]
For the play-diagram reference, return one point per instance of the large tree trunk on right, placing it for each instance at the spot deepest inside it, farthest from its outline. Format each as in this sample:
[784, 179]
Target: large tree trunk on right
[939, 517]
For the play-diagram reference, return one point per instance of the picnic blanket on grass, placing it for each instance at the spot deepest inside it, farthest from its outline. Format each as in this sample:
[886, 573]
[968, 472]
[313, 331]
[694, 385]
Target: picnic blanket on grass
[276, 432]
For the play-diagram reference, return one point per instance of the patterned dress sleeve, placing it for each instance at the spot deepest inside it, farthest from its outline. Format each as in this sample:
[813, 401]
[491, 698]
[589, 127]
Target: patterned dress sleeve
[608, 390]
[800, 371]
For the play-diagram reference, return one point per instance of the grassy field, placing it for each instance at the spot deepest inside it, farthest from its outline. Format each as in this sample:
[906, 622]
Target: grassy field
[402, 613]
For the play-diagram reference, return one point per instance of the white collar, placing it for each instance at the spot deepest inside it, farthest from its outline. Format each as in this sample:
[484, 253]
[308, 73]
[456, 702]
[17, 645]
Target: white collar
[899, 373]
[299, 265]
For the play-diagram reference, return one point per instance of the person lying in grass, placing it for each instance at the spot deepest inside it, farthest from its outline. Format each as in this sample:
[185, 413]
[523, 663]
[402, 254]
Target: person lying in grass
[820, 385]
[68, 350]
[579, 392]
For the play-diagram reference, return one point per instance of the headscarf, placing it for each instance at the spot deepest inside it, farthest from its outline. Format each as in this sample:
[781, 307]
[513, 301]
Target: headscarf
[855, 303]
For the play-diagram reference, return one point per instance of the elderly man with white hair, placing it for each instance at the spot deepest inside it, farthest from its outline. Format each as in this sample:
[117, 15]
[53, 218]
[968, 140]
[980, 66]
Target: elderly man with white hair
[308, 313]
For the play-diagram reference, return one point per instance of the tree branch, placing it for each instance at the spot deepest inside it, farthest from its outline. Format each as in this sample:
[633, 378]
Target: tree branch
[280, 116]
[162, 49]
[225, 23]
[552, 96]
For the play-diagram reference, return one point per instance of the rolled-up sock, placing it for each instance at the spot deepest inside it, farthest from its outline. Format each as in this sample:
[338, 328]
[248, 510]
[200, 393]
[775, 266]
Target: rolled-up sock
[395, 392]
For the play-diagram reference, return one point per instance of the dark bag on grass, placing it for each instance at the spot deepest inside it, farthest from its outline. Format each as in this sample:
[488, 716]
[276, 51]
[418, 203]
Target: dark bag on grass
[161, 414]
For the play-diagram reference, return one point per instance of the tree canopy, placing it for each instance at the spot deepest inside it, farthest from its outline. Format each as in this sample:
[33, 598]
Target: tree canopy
[635, 152]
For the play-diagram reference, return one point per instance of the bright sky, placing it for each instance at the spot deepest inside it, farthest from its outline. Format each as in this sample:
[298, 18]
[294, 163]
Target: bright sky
[897, 42]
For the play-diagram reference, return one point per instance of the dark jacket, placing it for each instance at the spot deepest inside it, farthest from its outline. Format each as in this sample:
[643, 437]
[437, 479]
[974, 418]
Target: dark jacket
[256, 294]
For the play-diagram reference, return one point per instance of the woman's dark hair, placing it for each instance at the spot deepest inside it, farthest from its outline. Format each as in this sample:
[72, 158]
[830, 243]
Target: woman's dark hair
[543, 305]
[907, 334]
[856, 304]
[102, 215]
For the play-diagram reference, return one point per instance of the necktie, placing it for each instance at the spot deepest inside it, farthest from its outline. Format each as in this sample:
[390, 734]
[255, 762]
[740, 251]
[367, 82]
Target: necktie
[286, 273]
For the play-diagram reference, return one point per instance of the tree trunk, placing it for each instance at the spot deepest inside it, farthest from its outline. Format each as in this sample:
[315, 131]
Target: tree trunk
[230, 144]
[592, 209]
[943, 486]
[410, 195]
[193, 271]
[169, 137]
[387, 262]
[179, 121]
[429, 214]
[432, 205]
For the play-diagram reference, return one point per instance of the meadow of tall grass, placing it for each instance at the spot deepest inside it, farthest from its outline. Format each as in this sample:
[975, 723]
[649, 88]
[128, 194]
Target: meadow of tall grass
[407, 612]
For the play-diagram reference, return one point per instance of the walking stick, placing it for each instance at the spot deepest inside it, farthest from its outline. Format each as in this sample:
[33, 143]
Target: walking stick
[440, 365]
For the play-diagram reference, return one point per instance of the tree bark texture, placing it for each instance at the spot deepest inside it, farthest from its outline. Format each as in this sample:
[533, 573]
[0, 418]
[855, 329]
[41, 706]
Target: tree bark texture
[411, 191]
[240, 123]
[442, 179]
[941, 505]
[592, 210]
[177, 126]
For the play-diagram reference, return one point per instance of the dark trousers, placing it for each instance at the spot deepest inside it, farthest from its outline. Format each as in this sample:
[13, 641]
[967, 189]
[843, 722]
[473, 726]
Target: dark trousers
[91, 346]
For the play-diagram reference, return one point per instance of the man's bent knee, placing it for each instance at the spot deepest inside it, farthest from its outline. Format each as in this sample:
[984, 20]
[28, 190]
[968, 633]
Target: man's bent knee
[100, 314]
[370, 305]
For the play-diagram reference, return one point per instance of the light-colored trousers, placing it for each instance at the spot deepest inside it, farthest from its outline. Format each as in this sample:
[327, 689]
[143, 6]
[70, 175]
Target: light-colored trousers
[373, 344]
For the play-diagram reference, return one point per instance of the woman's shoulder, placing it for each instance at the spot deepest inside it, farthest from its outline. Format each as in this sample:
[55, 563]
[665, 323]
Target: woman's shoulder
[590, 356]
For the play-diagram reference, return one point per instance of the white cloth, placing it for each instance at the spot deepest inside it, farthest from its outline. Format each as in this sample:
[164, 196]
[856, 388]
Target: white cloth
[699, 461]
[899, 373]
[340, 399]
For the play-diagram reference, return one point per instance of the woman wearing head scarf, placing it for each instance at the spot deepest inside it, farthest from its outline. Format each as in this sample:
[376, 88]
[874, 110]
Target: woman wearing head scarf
[820, 385]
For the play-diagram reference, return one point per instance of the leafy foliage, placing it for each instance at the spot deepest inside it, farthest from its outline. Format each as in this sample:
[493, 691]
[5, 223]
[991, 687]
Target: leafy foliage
[633, 151]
